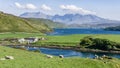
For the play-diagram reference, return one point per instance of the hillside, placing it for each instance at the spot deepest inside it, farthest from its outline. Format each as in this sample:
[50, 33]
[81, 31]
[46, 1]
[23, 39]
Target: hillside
[40, 21]
[11, 23]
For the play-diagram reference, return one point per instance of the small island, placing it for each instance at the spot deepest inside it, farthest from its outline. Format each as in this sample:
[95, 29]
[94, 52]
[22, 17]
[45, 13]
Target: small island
[117, 28]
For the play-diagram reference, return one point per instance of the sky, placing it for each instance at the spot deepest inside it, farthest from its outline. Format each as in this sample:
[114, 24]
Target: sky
[109, 9]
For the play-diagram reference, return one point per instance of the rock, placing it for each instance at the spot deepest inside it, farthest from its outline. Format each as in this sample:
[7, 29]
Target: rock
[9, 57]
[61, 56]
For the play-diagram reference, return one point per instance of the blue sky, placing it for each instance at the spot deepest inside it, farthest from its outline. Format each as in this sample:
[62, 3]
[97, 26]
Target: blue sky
[104, 8]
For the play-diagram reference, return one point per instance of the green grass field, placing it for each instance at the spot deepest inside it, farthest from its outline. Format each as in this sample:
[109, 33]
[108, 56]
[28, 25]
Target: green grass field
[66, 40]
[26, 59]
[73, 40]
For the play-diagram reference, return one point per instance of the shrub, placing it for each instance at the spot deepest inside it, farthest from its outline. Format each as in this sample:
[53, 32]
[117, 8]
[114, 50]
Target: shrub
[98, 43]
[86, 42]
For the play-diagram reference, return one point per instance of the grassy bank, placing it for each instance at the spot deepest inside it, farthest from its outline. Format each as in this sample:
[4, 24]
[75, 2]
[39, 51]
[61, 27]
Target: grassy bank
[25, 59]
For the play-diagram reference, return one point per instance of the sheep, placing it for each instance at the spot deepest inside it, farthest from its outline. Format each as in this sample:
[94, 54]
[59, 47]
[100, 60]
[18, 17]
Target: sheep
[9, 57]
[96, 56]
[49, 56]
[61, 56]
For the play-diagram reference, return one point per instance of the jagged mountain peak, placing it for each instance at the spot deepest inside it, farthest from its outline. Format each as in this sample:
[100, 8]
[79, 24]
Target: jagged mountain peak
[79, 19]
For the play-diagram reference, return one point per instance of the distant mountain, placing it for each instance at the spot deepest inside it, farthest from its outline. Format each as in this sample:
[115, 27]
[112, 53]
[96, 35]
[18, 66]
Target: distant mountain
[11, 23]
[34, 15]
[75, 20]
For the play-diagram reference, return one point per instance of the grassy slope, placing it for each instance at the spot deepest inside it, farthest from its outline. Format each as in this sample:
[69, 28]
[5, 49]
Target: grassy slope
[10, 23]
[19, 35]
[40, 24]
[47, 22]
[25, 59]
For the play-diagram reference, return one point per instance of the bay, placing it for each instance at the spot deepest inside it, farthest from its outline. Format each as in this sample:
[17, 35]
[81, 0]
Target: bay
[64, 31]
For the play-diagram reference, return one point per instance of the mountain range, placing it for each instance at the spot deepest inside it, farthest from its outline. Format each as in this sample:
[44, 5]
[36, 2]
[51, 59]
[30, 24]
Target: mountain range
[75, 20]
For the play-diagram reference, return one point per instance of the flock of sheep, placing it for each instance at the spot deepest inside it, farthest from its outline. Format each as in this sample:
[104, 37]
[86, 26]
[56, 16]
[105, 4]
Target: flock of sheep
[11, 57]
[50, 56]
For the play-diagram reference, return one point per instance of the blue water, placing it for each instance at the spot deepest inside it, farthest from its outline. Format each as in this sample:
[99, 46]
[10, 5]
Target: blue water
[71, 53]
[81, 31]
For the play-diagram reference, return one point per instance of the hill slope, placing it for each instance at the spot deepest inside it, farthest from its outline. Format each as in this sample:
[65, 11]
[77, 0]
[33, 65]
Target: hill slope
[40, 21]
[10, 23]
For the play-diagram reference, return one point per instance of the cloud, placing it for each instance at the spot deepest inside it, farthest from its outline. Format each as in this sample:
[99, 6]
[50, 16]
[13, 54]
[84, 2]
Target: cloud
[46, 8]
[18, 5]
[30, 6]
[26, 6]
[75, 9]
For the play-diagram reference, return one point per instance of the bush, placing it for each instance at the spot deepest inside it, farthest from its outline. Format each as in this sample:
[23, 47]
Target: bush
[86, 42]
[98, 43]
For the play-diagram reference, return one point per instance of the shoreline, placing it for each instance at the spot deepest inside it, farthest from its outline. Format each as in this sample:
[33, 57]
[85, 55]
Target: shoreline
[82, 49]
[73, 48]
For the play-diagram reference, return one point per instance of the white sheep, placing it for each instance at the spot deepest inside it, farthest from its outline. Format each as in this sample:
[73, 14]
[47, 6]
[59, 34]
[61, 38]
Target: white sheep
[9, 57]
[49, 56]
[61, 56]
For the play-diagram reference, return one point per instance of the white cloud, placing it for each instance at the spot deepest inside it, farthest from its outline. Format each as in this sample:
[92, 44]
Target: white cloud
[30, 6]
[18, 5]
[75, 9]
[46, 8]
[26, 6]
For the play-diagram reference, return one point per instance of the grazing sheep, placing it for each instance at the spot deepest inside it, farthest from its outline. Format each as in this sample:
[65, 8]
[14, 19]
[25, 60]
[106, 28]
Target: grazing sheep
[96, 56]
[61, 56]
[49, 56]
[9, 57]
[104, 56]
